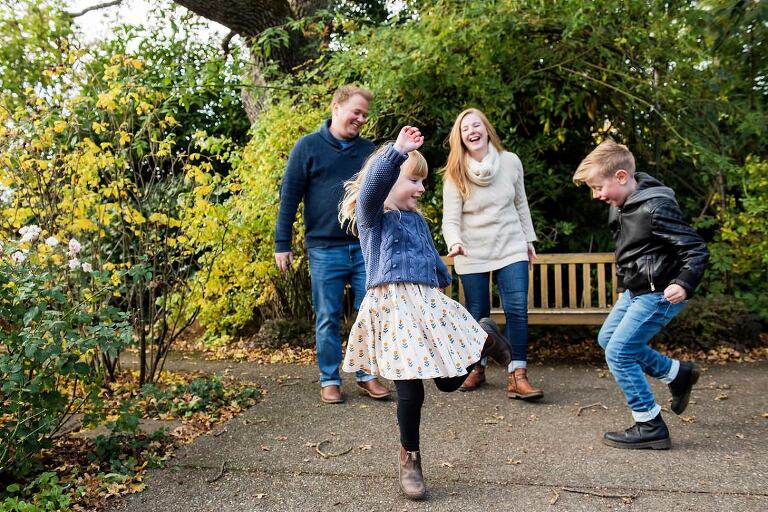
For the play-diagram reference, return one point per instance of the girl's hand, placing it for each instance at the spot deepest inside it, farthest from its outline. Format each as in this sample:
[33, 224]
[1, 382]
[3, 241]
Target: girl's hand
[408, 139]
[456, 250]
[531, 255]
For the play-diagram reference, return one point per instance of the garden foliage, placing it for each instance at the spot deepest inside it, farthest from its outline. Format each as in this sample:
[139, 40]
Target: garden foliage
[683, 84]
[56, 325]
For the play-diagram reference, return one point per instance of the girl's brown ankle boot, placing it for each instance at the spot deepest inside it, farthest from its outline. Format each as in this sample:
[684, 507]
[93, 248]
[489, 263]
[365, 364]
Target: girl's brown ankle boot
[411, 477]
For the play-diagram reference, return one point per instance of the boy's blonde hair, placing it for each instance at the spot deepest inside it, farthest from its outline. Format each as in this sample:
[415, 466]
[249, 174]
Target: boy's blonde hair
[608, 157]
[345, 92]
[415, 165]
[456, 169]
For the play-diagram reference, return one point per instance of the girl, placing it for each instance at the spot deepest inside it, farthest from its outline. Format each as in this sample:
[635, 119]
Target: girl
[488, 228]
[406, 329]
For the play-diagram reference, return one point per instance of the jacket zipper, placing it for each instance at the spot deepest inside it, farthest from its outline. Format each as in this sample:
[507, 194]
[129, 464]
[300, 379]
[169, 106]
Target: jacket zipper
[649, 260]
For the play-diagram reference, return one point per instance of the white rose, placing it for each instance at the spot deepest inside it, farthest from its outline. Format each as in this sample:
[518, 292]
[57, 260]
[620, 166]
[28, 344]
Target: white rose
[6, 194]
[51, 241]
[87, 267]
[18, 257]
[74, 247]
[74, 263]
[29, 233]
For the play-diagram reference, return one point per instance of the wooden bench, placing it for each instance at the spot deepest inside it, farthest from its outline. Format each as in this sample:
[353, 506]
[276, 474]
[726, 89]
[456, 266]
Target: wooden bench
[564, 289]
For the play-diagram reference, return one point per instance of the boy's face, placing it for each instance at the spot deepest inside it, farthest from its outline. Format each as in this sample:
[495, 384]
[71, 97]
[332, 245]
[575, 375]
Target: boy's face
[613, 190]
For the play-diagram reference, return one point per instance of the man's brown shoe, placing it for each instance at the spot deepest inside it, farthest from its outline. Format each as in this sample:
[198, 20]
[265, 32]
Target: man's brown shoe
[475, 379]
[410, 475]
[373, 388]
[331, 395]
[519, 387]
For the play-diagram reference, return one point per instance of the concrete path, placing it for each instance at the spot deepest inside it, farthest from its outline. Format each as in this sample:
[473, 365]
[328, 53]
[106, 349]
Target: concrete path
[481, 451]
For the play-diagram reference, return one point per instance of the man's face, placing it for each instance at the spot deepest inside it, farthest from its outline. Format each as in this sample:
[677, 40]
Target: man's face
[613, 190]
[349, 117]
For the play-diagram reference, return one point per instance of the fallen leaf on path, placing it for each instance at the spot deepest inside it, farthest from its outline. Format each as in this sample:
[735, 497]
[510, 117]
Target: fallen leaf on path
[280, 438]
[514, 461]
[687, 419]
[264, 448]
[364, 447]
[740, 436]
[721, 396]
[447, 464]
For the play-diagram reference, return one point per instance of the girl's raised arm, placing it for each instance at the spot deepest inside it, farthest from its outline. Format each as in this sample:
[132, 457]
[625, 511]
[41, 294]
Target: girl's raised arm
[382, 174]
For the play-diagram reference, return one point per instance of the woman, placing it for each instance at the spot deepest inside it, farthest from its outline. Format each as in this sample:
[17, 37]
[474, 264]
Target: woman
[487, 227]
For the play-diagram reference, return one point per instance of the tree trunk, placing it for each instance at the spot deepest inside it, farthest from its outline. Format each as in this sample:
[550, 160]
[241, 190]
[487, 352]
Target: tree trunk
[249, 18]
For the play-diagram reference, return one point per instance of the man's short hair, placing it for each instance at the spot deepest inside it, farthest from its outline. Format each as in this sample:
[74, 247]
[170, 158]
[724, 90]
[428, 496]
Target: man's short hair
[345, 92]
[608, 157]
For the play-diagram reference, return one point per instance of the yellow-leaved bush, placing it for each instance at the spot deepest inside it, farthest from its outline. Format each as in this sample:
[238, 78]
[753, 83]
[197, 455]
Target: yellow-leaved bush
[243, 284]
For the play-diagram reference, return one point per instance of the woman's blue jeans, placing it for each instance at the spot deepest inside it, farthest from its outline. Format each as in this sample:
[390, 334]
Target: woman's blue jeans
[330, 269]
[513, 289]
[624, 336]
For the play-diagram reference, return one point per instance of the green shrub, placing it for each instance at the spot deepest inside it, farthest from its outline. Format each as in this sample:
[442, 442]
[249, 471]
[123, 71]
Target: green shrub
[716, 320]
[55, 324]
[42, 494]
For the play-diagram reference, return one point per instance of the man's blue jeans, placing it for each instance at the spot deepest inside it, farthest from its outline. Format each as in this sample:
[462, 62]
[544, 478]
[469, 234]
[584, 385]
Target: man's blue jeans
[624, 336]
[513, 289]
[330, 269]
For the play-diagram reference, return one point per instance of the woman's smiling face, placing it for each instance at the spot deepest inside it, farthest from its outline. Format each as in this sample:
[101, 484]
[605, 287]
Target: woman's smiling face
[474, 135]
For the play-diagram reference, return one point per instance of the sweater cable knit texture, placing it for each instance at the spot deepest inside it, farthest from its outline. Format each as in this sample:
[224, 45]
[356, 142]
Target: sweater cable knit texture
[397, 245]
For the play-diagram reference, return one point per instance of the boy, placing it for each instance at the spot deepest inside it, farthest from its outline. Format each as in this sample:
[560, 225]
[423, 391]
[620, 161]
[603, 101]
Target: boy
[660, 260]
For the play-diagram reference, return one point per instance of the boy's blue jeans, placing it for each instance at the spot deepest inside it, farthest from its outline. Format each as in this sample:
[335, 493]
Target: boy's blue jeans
[330, 269]
[513, 289]
[624, 336]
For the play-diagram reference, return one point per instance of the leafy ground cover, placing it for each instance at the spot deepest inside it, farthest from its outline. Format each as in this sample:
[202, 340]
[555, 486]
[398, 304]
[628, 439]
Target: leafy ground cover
[547, 345]
[82, 469]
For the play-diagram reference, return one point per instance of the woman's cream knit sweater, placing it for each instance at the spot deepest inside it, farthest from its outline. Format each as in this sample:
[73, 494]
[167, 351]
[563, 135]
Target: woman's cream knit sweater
[493, 223]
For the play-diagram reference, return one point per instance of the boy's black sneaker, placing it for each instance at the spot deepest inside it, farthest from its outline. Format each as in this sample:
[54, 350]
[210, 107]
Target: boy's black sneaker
[643, 434]
[496, 345]
[687, 376]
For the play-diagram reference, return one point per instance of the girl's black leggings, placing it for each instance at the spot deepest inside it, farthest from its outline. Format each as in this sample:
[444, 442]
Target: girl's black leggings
[410, 398]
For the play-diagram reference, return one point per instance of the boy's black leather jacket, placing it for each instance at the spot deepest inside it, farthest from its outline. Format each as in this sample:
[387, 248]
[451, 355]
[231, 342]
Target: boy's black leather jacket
[654, 245]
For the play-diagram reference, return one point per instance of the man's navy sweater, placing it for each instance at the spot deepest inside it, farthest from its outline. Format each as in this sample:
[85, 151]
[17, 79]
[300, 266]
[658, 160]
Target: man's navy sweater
[317, 169]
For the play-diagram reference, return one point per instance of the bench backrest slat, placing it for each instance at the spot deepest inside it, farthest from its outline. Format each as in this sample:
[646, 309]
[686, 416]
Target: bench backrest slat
[578, 297]
[571, 283]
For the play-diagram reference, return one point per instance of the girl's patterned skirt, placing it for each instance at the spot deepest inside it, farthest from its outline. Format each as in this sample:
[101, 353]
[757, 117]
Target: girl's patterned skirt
[412, 331]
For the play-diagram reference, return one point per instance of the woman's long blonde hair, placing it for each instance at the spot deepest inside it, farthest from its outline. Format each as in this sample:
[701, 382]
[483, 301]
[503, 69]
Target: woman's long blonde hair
[415, 165]
[456, 169]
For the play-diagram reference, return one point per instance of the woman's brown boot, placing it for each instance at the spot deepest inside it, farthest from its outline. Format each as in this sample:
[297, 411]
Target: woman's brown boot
[519, 387]
[411, 478]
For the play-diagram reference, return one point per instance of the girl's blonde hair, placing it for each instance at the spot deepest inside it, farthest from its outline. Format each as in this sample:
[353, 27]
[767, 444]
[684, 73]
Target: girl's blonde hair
[415, 165]
[456, 169]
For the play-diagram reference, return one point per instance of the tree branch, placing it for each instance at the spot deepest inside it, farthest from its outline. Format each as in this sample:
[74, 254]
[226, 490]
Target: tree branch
[103, 5]
[226, 40]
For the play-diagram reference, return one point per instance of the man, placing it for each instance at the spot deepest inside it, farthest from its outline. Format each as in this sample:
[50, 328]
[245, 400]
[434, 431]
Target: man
[317, 168]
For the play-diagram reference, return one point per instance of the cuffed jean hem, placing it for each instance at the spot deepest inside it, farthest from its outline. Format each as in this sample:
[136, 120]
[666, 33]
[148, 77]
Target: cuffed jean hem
[672, 374]
[364, 378]
[514, 365]
[647, 416]
[330, 383]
